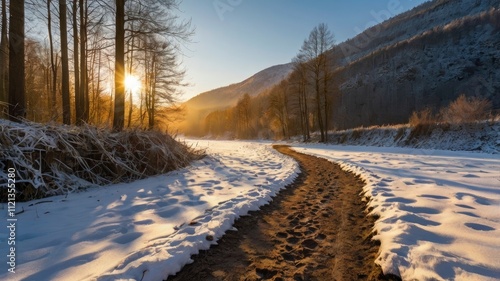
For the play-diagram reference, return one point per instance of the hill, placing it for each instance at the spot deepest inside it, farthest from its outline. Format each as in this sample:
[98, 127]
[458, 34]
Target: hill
[423, 58]
[199, 106]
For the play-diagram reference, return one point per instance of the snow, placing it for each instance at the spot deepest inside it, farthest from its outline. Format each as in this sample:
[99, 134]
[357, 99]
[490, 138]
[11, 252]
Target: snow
[439, 210]
[439, 214]
[147, 229]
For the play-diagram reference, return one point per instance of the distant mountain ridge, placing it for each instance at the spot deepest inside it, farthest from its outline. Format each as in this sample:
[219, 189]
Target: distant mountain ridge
[229, 95]
[197, 108]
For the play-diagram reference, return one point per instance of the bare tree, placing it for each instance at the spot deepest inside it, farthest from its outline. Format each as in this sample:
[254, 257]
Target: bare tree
[299, 91]
[65, 62]
[38, 77]
[119, 109]
[17, 96]
[278, 107]
[83, 110]
[4, 62]
[149, 20]
[76, 60]
[53, 61]
[243, 115]
[163, 77]
[315, 52]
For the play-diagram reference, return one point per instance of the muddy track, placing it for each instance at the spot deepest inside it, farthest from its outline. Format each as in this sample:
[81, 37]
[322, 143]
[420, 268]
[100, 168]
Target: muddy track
[315, 229]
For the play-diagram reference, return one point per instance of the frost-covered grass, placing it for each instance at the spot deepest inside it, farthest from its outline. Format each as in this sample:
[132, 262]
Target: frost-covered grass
[56, 159]
[477, 136]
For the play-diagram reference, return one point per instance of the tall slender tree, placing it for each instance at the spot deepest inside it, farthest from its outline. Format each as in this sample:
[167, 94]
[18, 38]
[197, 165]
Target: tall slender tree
[65, 62]
[17, 96]
[315, 52]
[53, 62]
[4, 63]
[299, 78]
[76, 62]
[84, 93]
[119, 108]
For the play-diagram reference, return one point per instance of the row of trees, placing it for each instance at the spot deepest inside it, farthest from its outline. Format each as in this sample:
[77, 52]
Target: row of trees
[76, 73]
[298, 105]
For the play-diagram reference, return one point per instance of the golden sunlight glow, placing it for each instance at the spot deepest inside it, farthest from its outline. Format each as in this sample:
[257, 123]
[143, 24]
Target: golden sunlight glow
[132, 84]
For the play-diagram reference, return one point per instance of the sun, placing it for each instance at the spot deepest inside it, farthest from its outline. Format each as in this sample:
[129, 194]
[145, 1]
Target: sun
[132, 84]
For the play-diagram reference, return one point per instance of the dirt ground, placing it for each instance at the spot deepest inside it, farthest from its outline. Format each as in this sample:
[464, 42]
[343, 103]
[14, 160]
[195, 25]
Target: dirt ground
[315, 229]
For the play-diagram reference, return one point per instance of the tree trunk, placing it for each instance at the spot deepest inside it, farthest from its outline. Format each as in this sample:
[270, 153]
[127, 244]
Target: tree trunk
[119, 110]
[17, 97]
[64, 61]
[152, 109]
[318, 108]
[4, 63]
[130, 69]
[98, 90]
[326, 106]
[84, 95]
[53, 64]
[76, 64]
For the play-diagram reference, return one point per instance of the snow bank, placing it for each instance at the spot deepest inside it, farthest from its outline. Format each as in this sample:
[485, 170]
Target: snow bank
[439, 210]
[148, 229]
[479, 137]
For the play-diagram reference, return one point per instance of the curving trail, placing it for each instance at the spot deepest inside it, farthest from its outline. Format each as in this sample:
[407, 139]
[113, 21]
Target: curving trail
[315, 229]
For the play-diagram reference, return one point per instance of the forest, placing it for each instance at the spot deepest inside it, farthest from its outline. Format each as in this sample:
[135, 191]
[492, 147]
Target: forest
[105, 63]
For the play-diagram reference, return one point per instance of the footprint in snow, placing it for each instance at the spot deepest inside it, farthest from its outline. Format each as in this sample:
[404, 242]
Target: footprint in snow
[479, 227]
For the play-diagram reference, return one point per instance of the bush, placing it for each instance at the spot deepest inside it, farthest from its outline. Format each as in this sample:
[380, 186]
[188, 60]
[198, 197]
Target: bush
[465, 110]
[423, 117]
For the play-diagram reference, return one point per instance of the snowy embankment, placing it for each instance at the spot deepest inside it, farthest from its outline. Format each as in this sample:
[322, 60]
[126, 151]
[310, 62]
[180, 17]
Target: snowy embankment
[480, 136]
[439, 210]
[147, 229]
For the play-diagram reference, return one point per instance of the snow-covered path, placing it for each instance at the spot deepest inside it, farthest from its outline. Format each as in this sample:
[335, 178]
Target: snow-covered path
[439, 210]
[149, 227]
[439, 214]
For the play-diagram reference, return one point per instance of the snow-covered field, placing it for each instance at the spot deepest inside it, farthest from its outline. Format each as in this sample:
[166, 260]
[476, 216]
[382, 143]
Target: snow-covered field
[147, 229]
[439, 210]
[439, 214]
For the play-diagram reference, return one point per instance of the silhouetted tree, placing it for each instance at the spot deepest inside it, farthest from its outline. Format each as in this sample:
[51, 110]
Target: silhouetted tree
[17, 96]
[119, 108]
[4, 62]
[315, 54]
[65, 62]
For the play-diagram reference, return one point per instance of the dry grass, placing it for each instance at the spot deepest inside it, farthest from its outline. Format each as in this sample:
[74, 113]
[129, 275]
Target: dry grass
[423, 117]
[54, 159]
[466, 109]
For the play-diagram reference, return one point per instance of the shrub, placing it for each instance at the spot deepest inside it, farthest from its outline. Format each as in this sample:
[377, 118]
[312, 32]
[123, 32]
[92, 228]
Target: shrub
[464, 110]
[422, 117]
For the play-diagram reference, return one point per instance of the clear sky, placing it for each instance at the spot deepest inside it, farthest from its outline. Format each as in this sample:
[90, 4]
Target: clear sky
[237, 38]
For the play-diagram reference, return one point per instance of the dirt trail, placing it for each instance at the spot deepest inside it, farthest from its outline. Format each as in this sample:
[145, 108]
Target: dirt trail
[316, 229]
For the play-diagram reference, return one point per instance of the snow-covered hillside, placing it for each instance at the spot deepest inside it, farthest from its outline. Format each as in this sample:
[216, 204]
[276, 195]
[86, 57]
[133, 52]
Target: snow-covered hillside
[426, 69]
[399, 28]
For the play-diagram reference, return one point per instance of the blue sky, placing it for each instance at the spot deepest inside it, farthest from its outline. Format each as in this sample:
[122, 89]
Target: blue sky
[237, 38]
